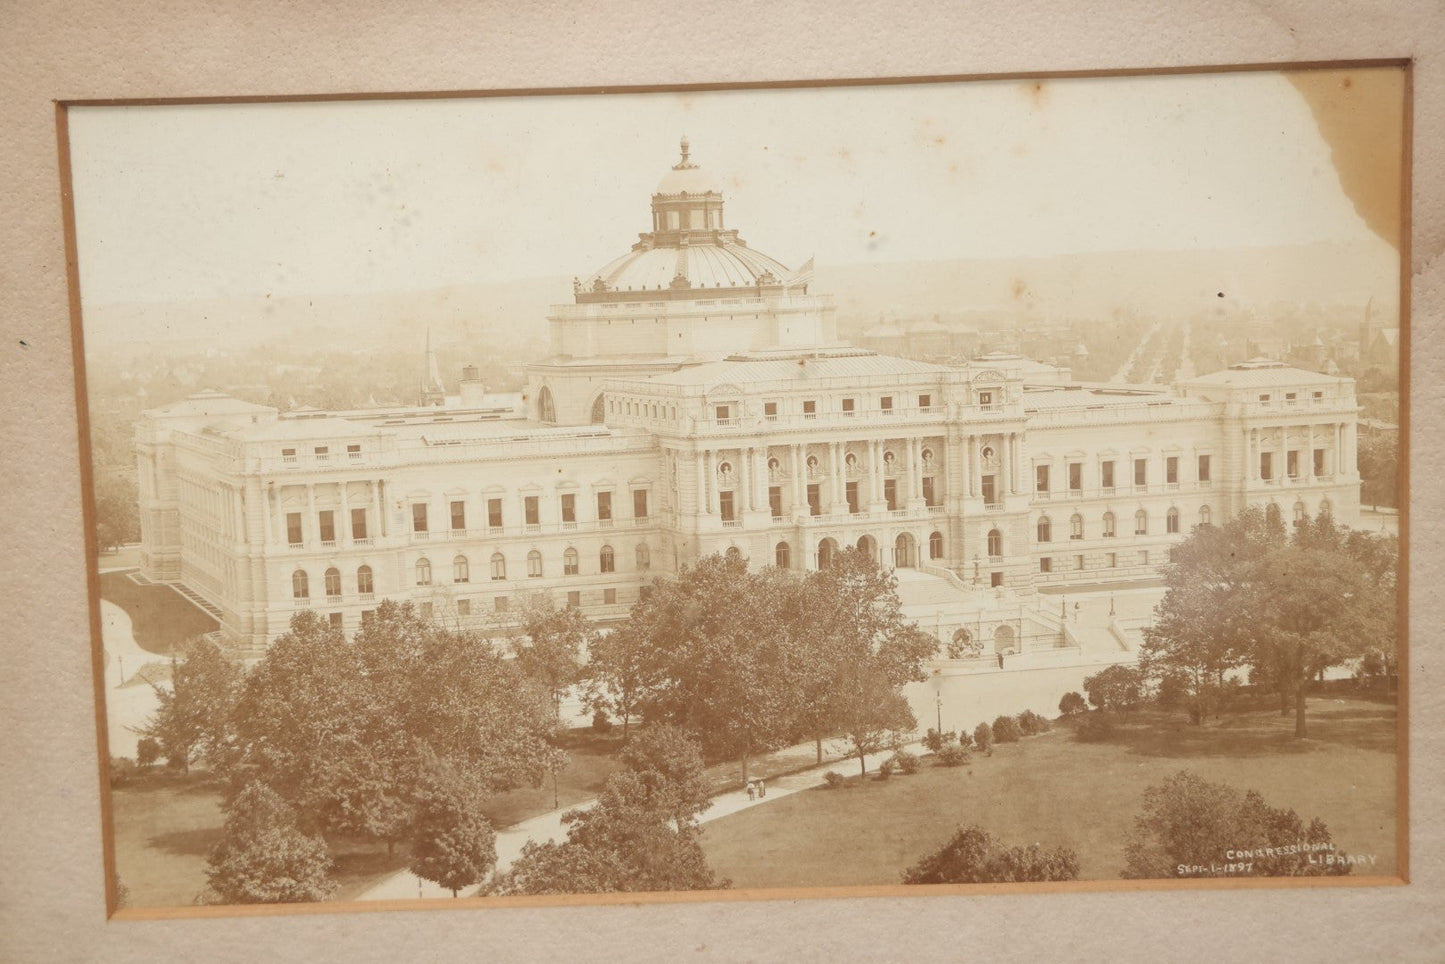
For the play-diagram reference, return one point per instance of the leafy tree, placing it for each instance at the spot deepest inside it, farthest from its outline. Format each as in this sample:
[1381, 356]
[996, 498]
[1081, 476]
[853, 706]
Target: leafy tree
[972, 856]
[1071, 703]
[192, 720]
[616, 674]
[147, 751]
[1379, 463]
[1118, 687]
[552, 650]
[453, 843]
[669, 767]
[1188, 826]
[263, 858]
[983, 738]
[1006, 730]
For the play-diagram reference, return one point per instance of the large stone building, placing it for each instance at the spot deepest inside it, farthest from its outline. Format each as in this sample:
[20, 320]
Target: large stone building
[697, 400]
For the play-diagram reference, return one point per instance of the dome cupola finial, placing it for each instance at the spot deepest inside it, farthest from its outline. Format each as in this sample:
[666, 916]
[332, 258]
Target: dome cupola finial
[684, 164]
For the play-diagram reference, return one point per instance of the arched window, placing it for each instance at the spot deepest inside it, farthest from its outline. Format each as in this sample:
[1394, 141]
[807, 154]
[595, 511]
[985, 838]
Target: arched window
[1141, 523]
[423, 572]
[363, 581]
[1108, 525]
[461, 571]
[1171, 521]
[1271, 515]
[499, 567]
[1076, 526]
[300, 585]
[607, 559]
[827, 550]
[1327, 508]
[1046, 529]
[333, 581]
[569, 562]
[1204, 515]
[546, 408]
[734, 553]
[1300, 513]
[935, 546]
[995, 542]
[644, 556]
[599, 410]
[782, 557]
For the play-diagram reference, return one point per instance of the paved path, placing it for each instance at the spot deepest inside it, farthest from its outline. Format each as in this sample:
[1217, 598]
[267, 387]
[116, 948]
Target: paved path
[126, 707]
[548, 826]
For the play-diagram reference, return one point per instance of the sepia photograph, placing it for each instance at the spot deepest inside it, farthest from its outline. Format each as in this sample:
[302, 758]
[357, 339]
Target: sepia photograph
[766, 491]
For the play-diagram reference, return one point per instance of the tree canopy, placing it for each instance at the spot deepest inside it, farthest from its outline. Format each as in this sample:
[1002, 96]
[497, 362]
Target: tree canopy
[263, 858]
[192, 721]
[973, 856]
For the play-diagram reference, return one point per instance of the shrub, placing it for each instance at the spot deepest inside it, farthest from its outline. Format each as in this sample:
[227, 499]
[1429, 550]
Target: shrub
[1118, 687]
[972, 856]
[601, 724]
[964, 740]
[1095, 728]
[1031, 724]
[983, 738]
[122, 768]
[147, 751]
[1071, 703]
[834, 781]
[951, 755]
[936, 741]
[906, 762]
[1005, 730]
[886, 768]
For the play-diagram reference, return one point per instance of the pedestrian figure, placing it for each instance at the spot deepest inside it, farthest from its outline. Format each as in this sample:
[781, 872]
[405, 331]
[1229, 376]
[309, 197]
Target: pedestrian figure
[1000, 660]
[762, 789]
[752, 790]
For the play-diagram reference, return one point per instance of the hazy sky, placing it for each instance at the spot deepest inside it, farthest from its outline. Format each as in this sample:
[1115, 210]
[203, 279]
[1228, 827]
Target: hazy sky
[210, 201]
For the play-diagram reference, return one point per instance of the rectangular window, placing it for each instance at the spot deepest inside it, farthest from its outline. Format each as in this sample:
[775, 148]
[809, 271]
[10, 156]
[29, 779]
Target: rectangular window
[569, 507]
[1204, 468]
[531, 510]
[1266, 466]
[418, 517]
[1319, 461]
[459, 516]
[989, 495]
[1041, 479]
[725, 505]
[288, 455]
[322, 453]
[1046, 564]
[574, 599]
[886, 403]
[995, 579]
[1113, 560]
[464, 607]
[604, 506]
[890, 492]
[326, 525]
[1264, 399]
[815, 501]
[1141, 472]
[1143, 557]
[928, 495]
[293, 528]
[810, 409]
[353, 451]
[1079, 563]
[609, 597]
[770, 410]
[723, 413]
[1291, 463]
[334, 619]
[358, 524]
[1108, 525]
[925, 401]
[848, 406]
[985, 399]
[1106, 474]
[639, 503]
[501, 603]
[775, 501]
[1171, 470]
[1076, 476]
[850, 494]
[494, 513]
[1289, 398]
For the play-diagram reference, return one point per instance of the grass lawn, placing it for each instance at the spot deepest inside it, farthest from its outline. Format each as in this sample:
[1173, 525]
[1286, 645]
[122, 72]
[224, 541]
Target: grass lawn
[161, 618]
[1052, 790]
[165, 824]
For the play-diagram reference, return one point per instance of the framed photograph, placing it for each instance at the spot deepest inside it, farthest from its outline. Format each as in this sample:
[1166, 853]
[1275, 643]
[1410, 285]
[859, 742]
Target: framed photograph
[919, 486]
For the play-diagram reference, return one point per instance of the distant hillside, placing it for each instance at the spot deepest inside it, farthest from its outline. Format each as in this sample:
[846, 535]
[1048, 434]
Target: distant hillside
[508, 319]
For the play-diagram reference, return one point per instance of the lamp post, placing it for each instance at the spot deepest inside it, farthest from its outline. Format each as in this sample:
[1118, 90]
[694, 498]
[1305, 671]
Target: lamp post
[938, 698]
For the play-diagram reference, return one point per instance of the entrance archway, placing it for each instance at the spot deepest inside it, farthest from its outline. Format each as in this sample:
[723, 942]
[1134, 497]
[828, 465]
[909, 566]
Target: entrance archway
[905, 551]
[1003, 640]
[827, 552]
[869, 546]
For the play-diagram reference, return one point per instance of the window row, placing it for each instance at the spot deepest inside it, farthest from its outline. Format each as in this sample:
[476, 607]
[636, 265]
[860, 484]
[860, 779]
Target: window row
[301, 583]
[1291, 464]
[322, 453]
[1043, 474]
[326, 527]
[461, 567]
[1045, 527]
[726, 413]
[426, 609]
[1110, 560]
[531, 511]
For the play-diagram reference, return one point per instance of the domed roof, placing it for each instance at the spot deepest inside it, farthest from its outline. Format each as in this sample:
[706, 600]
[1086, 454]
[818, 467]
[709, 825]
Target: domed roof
[729, 265]
[686, 178]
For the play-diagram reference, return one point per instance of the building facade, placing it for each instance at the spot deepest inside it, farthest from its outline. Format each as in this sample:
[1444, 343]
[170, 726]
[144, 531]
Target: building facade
[697, 400]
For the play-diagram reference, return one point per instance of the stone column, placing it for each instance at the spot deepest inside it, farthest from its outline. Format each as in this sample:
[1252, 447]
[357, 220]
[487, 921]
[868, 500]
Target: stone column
[972, 467]
[373, 528]
[833, 470]
[1309, 471]
[744, 490]
[1013, 463]
[343, 525]
[1352, 436]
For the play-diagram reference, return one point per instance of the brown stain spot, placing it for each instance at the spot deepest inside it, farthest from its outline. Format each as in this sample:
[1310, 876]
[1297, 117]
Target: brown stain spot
[940, 140]
[1037, 93]
[1020, 288]
[872, 234]
[843, 153]
[1347, 82]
